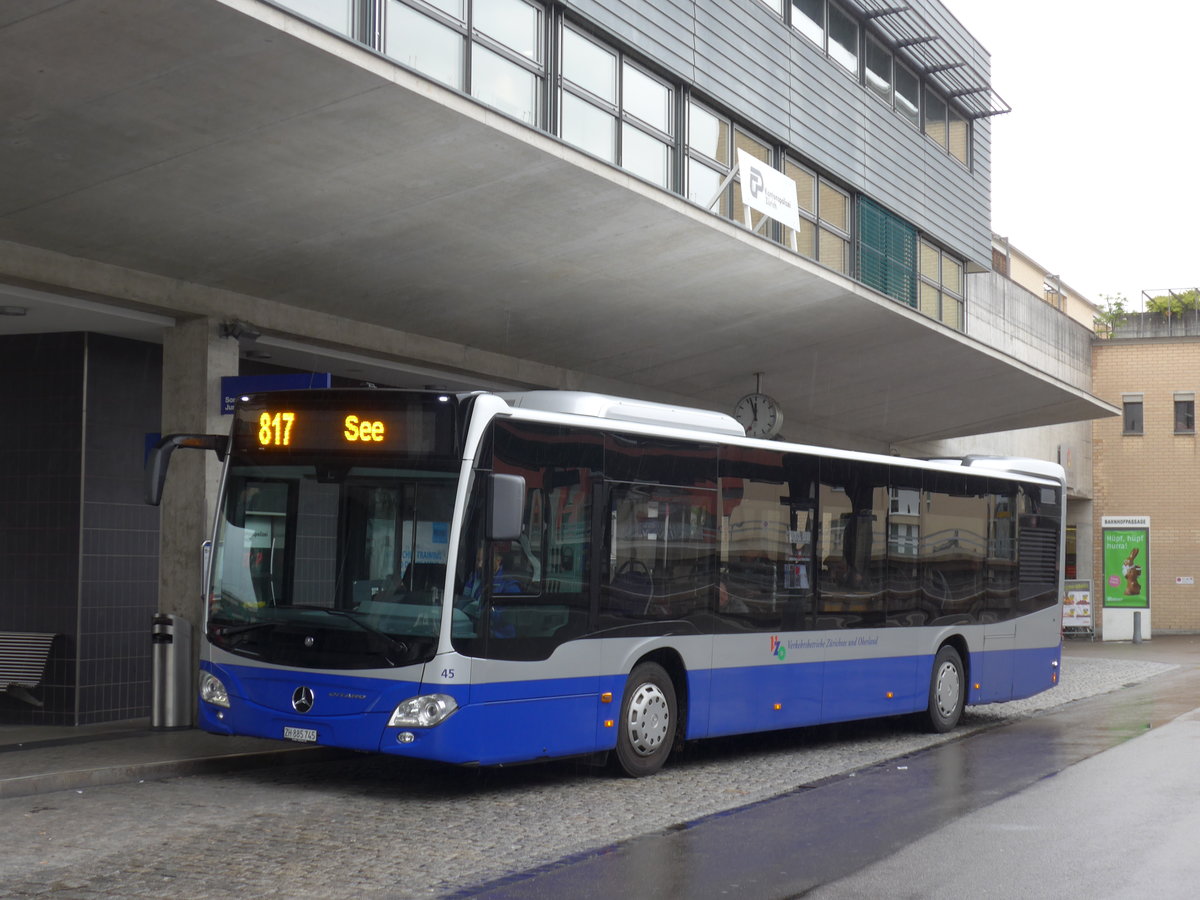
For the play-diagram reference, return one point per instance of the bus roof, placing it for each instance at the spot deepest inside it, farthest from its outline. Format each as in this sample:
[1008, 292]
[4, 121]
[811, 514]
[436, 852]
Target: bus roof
[722, 426]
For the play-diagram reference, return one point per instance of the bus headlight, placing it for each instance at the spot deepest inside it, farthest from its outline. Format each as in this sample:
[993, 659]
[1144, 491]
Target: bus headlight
[423, 712]
[212, 690]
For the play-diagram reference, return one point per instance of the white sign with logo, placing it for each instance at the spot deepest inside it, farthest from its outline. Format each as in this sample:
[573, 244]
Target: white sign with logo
[768, 190]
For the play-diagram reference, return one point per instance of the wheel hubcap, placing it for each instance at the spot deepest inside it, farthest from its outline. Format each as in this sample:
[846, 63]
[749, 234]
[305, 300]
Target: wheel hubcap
[649, 719]
[948, 688]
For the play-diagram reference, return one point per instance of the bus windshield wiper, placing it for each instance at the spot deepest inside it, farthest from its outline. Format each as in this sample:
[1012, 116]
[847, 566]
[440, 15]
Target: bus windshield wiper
[398, 646]
[230, 630]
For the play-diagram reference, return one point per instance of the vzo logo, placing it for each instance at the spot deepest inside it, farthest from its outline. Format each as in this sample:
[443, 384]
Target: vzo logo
[756, 182]
[777, 648]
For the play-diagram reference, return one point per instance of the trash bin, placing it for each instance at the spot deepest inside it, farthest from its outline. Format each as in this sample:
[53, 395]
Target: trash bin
[171, 672]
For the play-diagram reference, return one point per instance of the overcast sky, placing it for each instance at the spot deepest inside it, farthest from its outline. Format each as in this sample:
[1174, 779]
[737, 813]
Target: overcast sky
[1094, 172]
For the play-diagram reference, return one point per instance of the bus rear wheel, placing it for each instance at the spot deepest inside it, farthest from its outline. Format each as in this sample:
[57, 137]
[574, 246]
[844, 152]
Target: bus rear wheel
[947, 691]
[646, 728]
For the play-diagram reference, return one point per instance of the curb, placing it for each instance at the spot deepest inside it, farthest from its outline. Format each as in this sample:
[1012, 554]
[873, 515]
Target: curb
[79, 779]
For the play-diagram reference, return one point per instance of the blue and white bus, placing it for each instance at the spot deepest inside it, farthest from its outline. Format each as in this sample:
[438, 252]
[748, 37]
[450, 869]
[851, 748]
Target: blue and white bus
[487, 579]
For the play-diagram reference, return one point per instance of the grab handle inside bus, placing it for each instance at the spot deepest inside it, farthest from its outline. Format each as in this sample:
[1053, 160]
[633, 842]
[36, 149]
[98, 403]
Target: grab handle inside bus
[160, 458]
[506, 506]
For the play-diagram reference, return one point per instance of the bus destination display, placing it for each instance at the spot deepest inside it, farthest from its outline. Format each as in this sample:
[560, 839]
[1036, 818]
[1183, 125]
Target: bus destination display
[321, 424]
[275, 428]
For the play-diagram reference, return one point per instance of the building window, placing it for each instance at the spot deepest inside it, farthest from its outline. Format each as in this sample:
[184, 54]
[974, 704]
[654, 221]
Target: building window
[959, 135]
[775, 6]
[1132, 414]
[507, 58]
[877, 70]
[941, 289]
[808, 18]
[647, 125]
[887, 252]
[824, 218]
[1185, 413]
[613, 109]
[708, 157]
[935, 118]
[433, 43]
[712, 140]
[504, 41]
[843, 39]
[336, 15]
[588, 103]
[908, 95]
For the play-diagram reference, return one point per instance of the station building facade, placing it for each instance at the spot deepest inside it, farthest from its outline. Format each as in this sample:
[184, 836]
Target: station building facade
[1145, 462]
[465, 194]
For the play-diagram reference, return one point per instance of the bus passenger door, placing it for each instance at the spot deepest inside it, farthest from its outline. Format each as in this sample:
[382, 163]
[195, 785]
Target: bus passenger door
[528, 602]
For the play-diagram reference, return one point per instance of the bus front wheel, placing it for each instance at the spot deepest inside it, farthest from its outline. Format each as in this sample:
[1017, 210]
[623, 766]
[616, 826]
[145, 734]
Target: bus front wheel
[646, 729]
[947, 690]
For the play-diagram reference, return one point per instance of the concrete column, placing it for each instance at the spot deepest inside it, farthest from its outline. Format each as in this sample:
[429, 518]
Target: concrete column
[195, 358]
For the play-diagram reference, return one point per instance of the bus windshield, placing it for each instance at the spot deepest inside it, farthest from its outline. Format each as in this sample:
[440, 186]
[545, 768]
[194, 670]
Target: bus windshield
[328, 566]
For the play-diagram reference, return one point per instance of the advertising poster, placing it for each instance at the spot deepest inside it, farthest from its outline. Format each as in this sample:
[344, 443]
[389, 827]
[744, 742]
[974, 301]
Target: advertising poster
[1126, 561]
[1077, 604]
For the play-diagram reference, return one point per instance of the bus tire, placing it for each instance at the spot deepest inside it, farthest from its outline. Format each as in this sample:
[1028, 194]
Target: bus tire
[947, 691]
[646, 727]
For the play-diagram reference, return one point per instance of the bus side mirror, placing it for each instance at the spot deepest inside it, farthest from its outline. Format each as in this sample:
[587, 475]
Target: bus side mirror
[160, 458]
[506, 507]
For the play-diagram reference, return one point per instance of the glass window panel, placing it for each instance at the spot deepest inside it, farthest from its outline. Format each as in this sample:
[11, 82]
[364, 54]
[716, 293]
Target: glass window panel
[588, 127]
[663, 562]
[645, 156]
[766, 541]
[739, 210]
[776, 6]
[960, 137]
[935, 117]
[929, 300]
[929, 262]
[648, 99]
[456, 8]
[843, 39]
[504, 85]
[708, 134]
[703, 183]
[754, 147]
[591, 67]
[952, 275]
[806, 186]
[513, 23]
[952, 312]
[833, 250]
[878, 70]
[908, 95]
[806, 239]
[852, 545]
[835, 207]
[808, 18]
[1185, 416]
[1133, 417]
[417, 41]
[337, 15]
[953, 549]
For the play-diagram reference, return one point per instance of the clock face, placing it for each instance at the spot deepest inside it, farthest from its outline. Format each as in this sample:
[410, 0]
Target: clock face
[759, 414]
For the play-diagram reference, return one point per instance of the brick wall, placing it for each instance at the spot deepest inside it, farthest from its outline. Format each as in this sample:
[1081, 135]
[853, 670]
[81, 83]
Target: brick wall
[1156, 473]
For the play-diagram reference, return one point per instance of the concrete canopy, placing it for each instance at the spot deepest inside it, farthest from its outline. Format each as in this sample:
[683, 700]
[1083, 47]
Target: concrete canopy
[228, 144]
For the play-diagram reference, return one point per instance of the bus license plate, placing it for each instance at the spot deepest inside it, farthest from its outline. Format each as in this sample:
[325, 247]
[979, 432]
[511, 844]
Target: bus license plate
[305, 735]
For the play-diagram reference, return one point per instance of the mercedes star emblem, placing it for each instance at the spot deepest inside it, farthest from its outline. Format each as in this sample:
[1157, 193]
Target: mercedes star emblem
[302, 699]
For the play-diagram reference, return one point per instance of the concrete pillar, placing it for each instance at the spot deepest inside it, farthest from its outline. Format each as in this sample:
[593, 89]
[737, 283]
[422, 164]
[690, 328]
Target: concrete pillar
[195, 358]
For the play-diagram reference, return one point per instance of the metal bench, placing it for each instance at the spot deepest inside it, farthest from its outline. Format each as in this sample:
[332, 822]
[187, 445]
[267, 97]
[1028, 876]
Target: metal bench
[23, 657]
